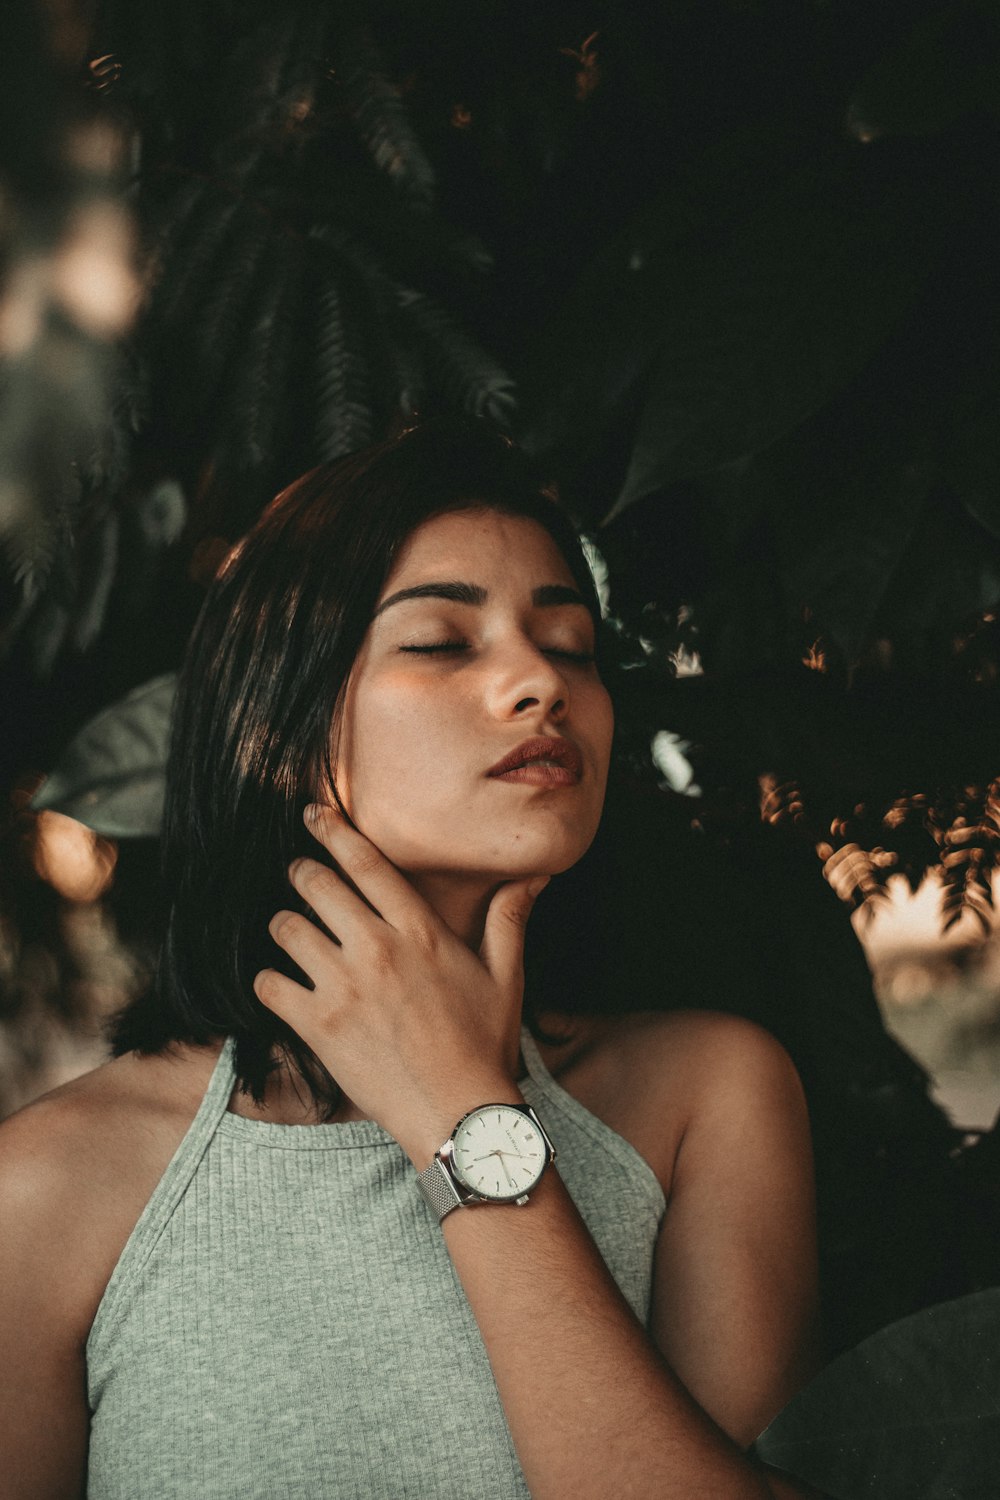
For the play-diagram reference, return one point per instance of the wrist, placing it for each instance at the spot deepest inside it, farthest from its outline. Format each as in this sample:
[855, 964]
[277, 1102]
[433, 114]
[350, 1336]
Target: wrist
[425, 1137]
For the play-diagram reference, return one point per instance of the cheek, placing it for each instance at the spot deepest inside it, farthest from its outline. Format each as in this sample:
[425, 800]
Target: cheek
[395, 746]
[601, 716]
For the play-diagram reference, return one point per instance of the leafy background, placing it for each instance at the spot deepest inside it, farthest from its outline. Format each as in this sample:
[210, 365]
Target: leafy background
[728, 269]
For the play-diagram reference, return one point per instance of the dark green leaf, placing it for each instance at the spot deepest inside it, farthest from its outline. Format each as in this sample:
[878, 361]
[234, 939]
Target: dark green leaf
[111, 775]
[762, 325]
[913, 1411]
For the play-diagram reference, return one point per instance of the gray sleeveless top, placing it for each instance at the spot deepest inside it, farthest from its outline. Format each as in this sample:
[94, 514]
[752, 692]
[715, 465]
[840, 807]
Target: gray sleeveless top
[285, 1320]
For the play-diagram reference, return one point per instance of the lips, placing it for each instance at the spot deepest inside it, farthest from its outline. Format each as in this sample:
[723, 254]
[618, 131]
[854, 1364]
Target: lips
[563, 752]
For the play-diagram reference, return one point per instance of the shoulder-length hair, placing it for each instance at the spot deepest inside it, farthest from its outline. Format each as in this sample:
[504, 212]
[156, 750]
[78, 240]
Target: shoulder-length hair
[255, 720]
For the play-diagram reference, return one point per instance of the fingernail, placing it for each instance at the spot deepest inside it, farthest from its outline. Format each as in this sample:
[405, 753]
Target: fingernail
[312, 812]
[295, 867]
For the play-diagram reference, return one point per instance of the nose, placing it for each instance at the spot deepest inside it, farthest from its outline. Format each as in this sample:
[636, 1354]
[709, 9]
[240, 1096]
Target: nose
[527, 679]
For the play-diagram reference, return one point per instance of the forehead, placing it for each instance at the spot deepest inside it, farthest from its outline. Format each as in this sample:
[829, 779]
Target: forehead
[477, 544]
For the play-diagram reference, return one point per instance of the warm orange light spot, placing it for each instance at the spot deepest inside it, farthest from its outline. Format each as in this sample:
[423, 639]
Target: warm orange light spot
[589, 72]
[77, 862]
[461, 117]
[815, 657]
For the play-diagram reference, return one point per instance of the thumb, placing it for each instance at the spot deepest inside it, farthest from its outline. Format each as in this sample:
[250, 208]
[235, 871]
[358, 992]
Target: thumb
[502, 948]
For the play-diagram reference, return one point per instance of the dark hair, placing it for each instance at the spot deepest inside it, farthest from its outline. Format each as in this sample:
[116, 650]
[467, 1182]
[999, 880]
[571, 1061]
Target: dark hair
[277, 636]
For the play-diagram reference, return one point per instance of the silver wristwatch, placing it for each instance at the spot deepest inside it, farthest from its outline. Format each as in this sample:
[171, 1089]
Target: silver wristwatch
[495, 1154]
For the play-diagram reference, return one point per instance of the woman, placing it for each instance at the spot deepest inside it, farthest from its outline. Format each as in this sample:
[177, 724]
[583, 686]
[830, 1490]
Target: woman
[247, 1256]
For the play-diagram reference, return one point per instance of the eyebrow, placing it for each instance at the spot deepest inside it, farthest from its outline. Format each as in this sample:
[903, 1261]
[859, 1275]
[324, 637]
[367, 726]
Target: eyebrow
[474, 593]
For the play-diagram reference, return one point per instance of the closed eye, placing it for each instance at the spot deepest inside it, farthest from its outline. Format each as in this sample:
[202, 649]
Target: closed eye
[582, 657]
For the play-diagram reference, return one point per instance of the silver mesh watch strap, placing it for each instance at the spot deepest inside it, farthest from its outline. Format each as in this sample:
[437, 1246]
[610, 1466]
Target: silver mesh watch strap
[439, 1190]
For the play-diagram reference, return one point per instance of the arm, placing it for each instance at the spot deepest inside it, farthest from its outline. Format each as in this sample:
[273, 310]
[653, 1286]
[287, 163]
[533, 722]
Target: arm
[735, 1290]
[43, 1405]
[417, 1030]
[593, 1407]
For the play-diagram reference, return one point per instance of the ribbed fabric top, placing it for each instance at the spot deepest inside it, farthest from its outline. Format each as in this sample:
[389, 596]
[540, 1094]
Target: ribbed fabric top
[285, 1320]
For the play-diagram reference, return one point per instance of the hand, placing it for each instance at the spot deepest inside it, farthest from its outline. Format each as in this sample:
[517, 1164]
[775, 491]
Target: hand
[414, 1026]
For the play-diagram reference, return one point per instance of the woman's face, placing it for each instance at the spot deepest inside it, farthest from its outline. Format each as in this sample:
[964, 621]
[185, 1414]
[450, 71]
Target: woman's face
[422, 729]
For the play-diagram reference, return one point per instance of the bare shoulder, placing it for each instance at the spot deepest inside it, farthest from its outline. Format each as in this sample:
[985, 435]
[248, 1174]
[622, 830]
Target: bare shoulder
[78, 1165]
[709, 1048]
[712, 1066]
[76, 1169]
[655, 1076]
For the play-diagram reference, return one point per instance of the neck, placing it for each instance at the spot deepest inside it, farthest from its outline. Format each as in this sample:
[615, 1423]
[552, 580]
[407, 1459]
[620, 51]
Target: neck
[462, 905]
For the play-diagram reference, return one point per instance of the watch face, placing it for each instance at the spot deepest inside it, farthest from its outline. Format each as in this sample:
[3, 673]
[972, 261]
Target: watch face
[498, 1152]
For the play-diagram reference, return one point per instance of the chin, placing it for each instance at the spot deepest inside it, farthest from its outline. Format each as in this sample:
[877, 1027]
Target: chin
[504, 853]
[555, 858]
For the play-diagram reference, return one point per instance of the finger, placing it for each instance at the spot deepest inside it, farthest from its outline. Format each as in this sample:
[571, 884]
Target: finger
[375, 876]
[302, 941]
[502, 948]
[342, 910]
[282, 995]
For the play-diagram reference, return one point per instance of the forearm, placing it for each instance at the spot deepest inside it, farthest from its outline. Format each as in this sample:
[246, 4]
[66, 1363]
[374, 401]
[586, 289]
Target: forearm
[592, 1407]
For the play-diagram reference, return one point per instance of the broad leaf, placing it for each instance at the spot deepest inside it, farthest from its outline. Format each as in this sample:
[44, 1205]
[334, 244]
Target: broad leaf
[912, 1411]
[762, 325]
[111, 776]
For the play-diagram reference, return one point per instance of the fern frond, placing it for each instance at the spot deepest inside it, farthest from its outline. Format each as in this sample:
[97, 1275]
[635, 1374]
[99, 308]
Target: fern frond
[226, 299]
[191, 264]
[781, 802]
[342, 374]
[169, 210]
[380, 118]
[907, 831]
[468, 378]
[260, 357]
[408, 372]
[857, 877]
[269, 83]
[29, 541]
[418, 249]
[970, 852]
